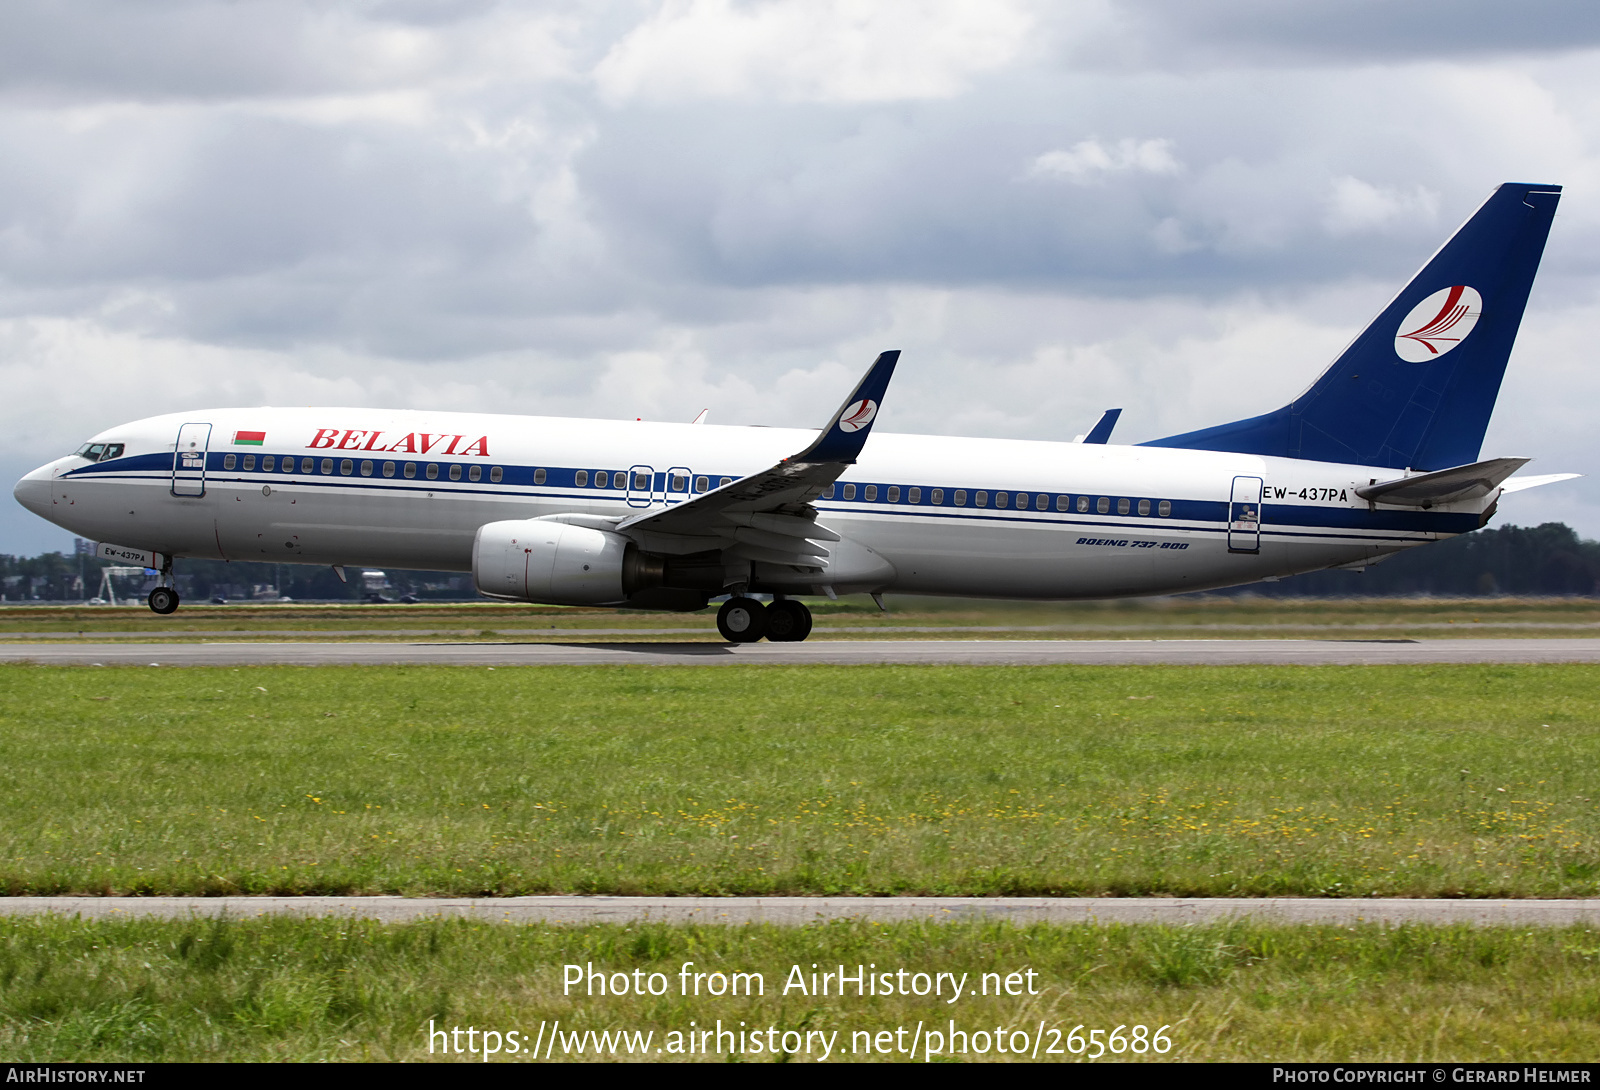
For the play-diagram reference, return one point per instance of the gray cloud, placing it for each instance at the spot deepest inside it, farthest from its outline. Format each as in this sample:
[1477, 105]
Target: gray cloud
[1183, 209]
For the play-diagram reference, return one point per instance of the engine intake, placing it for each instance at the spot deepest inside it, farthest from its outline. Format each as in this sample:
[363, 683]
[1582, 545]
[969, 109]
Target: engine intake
[534, 560]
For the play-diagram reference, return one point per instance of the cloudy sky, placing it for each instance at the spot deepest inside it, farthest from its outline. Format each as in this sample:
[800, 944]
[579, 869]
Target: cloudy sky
[645, 209]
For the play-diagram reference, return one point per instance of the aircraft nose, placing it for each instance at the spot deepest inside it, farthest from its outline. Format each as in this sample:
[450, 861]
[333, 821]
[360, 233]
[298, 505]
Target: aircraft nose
[33, 491]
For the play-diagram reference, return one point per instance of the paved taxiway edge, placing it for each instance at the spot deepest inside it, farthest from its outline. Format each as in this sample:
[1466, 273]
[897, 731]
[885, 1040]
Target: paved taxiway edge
[793, 911]
[828, 652]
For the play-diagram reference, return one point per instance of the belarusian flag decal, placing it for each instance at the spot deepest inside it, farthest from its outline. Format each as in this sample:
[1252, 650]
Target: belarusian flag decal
[249, 438]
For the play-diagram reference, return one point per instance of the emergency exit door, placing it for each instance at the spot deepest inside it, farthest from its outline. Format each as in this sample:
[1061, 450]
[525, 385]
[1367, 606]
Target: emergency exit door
[189, 460]
[1244, 516]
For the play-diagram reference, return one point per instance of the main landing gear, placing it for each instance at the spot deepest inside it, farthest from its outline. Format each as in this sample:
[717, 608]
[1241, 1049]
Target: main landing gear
[163, 600]
[745, 620]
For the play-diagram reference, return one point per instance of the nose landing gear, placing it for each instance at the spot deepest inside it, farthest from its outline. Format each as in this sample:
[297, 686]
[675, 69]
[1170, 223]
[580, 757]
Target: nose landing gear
[164, 598]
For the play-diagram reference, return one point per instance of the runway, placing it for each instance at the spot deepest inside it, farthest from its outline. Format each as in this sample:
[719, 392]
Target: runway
[794, 911]
[827, 652]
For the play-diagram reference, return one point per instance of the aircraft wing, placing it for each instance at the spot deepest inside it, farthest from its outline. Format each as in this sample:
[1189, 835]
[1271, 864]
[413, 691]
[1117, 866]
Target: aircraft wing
[768, 516]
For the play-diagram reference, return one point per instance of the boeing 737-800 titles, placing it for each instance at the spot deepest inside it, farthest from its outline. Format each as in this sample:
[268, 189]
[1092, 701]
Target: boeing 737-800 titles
[1380, 454]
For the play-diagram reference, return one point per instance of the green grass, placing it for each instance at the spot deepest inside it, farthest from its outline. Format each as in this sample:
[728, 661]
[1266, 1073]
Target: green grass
[297, 990]
[849, 618]
[1471, 781]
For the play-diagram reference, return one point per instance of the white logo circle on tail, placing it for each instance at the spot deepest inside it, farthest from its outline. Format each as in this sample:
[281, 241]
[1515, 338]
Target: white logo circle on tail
[858, 415]
[1438, 324]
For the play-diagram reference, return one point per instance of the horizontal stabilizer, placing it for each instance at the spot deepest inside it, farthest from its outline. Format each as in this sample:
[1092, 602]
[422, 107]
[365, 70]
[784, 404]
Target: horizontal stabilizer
[1469, 482]
[1517, 484]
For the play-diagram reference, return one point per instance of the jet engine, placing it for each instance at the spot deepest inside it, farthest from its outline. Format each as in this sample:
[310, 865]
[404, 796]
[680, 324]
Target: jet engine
[535, 560]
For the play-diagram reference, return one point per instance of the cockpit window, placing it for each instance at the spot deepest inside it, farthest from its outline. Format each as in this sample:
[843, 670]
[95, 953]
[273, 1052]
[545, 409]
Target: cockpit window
[100, 452]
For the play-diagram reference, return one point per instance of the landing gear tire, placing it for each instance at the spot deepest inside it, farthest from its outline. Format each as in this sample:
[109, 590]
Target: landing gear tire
[742, 620]
[788, 621]
[163, 600]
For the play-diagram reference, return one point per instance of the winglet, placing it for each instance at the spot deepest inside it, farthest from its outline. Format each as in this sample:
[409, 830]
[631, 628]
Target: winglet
[1101, 432]
[846, 433]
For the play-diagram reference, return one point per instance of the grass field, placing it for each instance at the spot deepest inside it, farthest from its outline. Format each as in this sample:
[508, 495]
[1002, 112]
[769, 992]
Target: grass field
[850, 618]
[280, 989]
[1413, 781]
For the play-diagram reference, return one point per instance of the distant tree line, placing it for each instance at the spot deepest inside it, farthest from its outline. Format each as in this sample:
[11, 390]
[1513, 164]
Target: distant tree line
[56, 577]
[1509, 560]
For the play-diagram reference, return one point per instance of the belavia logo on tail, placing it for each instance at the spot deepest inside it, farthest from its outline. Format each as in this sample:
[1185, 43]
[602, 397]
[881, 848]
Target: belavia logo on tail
[857, 415]
[1438, 324]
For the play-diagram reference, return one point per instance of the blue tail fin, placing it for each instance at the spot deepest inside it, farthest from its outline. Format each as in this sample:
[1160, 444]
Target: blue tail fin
[1415, 389]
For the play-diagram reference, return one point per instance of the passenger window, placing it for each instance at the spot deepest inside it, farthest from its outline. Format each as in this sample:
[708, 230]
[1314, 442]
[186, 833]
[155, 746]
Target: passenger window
[961, 497]
[432, 472]
[229, 461]
[455, 473]
[366, 469]
[388, 469]
[849, 491]
[936, 497]
[1122, 507]
[475, 473]
[327, 465]
[601, 478]
[1164, 509]
[619, 479]
[1001, 499]
[914, 495]
[268, 462]
[1063, 502]
[539, 476]
[1103, 505]
[346, 466]
[725, 482]
[701, 484]
[641, 482]
[1042, 503]
[496, 473]
[894, 493]
[680, 484]
[249, 461]
[1144, 507]
[1083, 504]
[305, 465]
[980, 499]
[411, 469]
[581, 478]
[870, 493]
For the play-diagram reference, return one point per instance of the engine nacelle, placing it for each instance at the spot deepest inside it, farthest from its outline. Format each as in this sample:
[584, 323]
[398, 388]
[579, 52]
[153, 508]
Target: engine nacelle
[534, 560]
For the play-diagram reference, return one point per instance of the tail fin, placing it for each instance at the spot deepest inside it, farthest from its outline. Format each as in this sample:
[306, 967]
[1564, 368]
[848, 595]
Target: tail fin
[1415, 389]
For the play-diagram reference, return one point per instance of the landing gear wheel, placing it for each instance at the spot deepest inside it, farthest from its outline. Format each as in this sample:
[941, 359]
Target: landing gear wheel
[163, 600]
[788, 621]
[742, 620]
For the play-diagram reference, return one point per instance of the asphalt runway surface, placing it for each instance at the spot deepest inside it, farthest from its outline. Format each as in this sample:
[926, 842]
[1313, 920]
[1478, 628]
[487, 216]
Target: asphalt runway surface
[792, 911]
[828, 652]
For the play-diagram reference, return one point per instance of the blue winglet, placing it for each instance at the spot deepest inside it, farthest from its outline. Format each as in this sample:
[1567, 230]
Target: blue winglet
[1101, 432]
[846, 433]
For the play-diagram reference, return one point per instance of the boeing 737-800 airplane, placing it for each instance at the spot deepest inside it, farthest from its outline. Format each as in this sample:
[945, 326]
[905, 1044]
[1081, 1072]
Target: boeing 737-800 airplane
[1380, 454]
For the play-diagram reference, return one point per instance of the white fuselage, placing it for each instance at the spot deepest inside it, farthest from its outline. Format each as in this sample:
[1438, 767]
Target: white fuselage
[410, 489]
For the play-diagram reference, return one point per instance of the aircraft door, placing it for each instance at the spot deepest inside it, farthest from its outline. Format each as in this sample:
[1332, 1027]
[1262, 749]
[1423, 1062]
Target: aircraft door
[641, 486]
[1244, 516]
[189, 460]
[678, 484]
